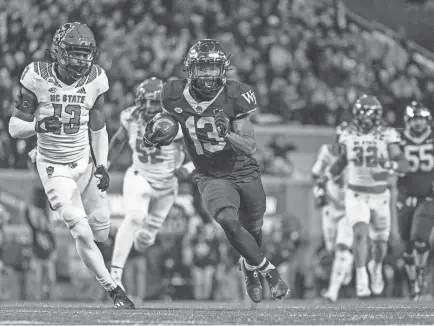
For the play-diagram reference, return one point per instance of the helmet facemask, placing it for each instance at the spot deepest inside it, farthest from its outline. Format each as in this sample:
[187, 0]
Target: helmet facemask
[207, 77]
[148, 108]
[76, 60]
[367, 117]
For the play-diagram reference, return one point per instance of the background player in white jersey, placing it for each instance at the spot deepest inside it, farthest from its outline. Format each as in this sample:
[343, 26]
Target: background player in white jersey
[337, 231]
[60, 102]
[371, 151]
[150, 185]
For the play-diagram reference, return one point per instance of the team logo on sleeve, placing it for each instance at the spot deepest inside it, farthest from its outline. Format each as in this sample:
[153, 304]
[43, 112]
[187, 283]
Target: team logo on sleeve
[178, 110]
[250, 97]
[50, 170]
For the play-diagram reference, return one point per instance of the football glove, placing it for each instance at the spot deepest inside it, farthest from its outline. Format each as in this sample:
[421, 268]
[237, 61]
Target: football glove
[103, 176]
[155, 138]
[48, 124]
[221, 122]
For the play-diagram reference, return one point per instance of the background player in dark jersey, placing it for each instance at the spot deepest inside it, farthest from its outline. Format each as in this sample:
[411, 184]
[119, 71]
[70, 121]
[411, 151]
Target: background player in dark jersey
[214, 116]
[415, 199]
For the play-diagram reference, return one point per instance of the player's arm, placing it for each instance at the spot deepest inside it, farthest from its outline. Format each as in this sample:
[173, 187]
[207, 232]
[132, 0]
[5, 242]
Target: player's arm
[242, 136]
[320, 165]
[116, 145]
[99, 142]
[338, 166]
[398, 161]
[22, 123]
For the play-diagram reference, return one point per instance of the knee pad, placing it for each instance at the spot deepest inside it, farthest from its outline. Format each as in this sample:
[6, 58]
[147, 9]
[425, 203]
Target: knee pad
[99, 221]
[421, 246]
[82, 230]
[71, 214]
[144, 238]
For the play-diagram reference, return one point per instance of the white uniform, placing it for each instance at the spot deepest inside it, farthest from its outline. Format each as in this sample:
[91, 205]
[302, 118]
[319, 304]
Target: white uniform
[63, 158]
[150, 186]
[367, 198]
[335, 225]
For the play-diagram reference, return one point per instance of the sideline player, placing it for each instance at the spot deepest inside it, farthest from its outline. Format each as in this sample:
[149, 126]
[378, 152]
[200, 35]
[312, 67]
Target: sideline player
[415, 198]
[371, 151]
[60, 102]
[150, 185]
[214, 117]
[337, 231]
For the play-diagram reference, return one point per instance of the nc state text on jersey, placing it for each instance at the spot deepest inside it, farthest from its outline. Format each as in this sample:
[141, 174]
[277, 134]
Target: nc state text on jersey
[67, 98]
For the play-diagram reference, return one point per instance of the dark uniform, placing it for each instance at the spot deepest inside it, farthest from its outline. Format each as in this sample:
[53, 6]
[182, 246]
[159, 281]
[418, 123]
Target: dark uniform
[224, 177]
[415, 198]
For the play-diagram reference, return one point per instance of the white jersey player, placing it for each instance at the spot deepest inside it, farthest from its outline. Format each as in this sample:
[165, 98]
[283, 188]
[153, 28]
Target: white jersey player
[337, 231]
[150, 184]
[371, 151]
[60, 102]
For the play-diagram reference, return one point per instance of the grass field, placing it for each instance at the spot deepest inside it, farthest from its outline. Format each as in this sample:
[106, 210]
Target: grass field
[289, 312]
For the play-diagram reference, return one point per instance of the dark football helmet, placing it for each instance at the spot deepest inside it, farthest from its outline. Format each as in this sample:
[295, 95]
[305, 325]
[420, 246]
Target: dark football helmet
[206, 64]
[74, 49]
[367, 112]
[148, 98]
[417, 118]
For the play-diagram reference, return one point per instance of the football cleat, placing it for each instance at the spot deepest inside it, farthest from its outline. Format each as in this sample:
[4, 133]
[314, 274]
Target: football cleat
[121, 301]
[278, 287]
[330, 297]
[414, 290]
[253, 282]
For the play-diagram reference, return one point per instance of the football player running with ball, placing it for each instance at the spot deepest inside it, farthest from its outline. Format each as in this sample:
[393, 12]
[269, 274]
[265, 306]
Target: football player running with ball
[60, 102]
[337, 231]
[371, 151]
[214, 117]
[150, 185]
[415, 194]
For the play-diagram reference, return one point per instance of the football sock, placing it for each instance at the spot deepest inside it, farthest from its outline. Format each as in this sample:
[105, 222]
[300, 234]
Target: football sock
[342, 265]
[116, 273]
[253, 267]
[123, 243]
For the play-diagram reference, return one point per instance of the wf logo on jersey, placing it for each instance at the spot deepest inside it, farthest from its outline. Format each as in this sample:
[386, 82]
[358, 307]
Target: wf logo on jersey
[249, 97]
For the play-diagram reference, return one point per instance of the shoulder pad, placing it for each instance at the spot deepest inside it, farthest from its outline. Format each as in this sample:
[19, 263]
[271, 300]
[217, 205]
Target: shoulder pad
[244, 97]
[173, 89]
[37, 71]
[126, 116]
[98, 77]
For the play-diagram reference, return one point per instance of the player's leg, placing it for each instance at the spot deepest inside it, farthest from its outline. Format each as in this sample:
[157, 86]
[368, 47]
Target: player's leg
[136, 195]
[379, 232]
[251, 213]
[159, 207]
[343, 261]
[95, 204]
[358, 214]
[423, 222]
[405, 220]
[64, 196]
[222, 202]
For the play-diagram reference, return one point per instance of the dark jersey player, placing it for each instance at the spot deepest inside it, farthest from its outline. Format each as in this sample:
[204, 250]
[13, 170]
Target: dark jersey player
[415, 199]
[214, 116]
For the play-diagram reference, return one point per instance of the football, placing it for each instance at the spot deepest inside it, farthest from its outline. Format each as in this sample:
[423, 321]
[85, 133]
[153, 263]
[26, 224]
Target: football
[164, 127]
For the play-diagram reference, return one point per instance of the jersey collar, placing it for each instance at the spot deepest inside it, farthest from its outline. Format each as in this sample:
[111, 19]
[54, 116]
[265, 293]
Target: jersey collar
[420, 139]
[201, 106]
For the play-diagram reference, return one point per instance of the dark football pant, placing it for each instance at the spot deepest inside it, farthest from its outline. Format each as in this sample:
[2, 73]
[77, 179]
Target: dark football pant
[248, 199]
[415, 221]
